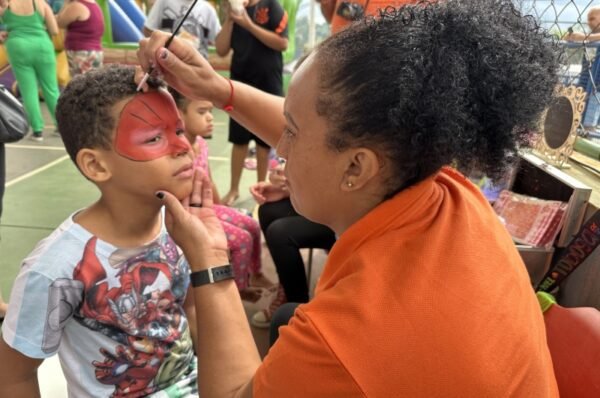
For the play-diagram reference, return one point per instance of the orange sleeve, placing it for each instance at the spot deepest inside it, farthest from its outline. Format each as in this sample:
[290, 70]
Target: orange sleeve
[301, 364]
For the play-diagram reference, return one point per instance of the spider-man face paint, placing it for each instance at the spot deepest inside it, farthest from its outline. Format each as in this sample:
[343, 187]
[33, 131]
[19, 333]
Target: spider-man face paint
[150, 128]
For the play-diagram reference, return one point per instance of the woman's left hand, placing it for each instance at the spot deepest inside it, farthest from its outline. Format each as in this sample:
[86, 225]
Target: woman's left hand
[195, 227]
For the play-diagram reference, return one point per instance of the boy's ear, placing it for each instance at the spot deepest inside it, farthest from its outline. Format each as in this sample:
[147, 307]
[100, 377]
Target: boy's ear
[92, 164]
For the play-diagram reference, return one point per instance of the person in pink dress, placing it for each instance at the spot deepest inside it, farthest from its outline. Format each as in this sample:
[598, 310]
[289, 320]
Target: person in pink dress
[243, 232]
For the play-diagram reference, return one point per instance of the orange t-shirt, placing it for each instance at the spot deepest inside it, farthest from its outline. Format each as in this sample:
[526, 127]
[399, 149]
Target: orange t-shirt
[425, 296]
[372, 6]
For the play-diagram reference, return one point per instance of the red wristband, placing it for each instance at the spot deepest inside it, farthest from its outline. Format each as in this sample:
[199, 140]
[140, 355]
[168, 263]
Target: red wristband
[228, 107]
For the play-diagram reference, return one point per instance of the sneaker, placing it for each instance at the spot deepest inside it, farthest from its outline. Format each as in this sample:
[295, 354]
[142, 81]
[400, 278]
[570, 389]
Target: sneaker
[250, 164]
[36, 136]
[275, 163]
[262, 318]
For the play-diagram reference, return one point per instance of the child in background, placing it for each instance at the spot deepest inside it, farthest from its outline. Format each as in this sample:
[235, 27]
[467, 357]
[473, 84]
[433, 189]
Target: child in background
[243, 232]
[107, 290]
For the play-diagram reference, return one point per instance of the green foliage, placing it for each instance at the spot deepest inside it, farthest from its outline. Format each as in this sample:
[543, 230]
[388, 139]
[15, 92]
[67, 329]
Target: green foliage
[291, 7]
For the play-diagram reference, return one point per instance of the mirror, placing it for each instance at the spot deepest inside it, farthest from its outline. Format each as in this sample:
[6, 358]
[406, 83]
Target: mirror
[560, 123]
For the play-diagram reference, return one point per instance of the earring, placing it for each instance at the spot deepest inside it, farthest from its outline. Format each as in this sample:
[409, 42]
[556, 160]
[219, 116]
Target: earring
[349, 184]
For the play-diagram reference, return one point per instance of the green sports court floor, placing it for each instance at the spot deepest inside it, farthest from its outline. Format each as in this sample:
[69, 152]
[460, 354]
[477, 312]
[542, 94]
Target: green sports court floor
[43, 188]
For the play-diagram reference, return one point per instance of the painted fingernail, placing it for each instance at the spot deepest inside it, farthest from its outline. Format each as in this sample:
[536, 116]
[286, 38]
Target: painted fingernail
[163, 53]
[160, 195]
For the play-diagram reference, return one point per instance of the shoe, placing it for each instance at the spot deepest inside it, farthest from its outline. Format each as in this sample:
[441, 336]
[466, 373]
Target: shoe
[250, 164]
[262, 318]
[274, 163]
[244, 211]
[36, 136]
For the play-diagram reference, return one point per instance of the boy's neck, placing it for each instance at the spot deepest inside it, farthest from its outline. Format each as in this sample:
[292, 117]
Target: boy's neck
[120, 223]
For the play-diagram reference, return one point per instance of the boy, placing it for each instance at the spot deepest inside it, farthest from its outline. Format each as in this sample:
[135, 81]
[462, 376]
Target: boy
[107, 289]
[258, 37]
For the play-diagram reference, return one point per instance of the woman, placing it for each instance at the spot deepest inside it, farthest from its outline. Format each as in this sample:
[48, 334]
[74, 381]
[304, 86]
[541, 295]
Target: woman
[424, 293]
[31, 55]
[84, 23]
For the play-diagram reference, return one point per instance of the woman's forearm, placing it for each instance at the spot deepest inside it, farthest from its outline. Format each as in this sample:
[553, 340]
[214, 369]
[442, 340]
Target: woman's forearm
[228, 357]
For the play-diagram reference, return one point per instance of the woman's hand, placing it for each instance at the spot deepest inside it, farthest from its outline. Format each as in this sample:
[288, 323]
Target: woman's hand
[194, 226]
[183, 68]
[264, 192]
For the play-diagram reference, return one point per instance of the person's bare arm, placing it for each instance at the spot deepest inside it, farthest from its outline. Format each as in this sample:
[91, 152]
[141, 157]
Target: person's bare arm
[580, 37]
[18, 373]
[49, 19]
[268, 38]
[189, 73]
[223, 39]
[69, 13]
[190, 312]
[228, 357]
[327, 9]
[3, 6]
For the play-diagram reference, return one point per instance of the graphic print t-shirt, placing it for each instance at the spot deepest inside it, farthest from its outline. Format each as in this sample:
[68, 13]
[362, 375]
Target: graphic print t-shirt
[202, 23]
[114, 316]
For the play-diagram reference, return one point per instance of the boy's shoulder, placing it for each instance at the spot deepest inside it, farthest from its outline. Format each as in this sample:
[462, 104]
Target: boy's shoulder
[63, 246]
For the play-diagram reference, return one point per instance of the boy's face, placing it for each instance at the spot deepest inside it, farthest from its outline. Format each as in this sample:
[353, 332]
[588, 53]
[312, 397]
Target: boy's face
[198, 118]
[150, 151]
[149, 128]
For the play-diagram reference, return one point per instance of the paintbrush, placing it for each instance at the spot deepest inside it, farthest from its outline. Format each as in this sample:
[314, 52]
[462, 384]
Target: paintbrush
[167, 44]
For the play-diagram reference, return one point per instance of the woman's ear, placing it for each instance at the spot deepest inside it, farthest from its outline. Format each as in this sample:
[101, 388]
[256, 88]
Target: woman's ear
[92, 165]
[363, 166]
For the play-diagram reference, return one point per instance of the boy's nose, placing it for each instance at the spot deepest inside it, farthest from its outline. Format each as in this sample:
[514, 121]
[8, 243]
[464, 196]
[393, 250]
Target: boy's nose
[180, 146]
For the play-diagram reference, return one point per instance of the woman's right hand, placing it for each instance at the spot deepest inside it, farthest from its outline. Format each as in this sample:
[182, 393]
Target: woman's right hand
[183, 68]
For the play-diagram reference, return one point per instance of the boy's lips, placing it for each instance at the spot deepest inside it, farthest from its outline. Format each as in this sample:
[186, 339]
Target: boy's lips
[186, 171]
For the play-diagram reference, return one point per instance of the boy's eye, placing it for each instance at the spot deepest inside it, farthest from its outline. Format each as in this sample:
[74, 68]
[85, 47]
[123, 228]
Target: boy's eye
[153, 139]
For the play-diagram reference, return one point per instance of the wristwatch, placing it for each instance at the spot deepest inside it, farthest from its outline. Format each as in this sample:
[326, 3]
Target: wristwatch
[211, 275]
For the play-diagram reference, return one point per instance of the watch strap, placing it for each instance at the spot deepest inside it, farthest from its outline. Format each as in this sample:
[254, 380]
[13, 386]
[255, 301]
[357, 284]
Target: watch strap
[211, 275]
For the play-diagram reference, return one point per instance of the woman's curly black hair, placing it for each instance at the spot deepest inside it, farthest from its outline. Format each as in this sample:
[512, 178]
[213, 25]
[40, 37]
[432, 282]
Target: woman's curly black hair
[453, 82]
[84, 109]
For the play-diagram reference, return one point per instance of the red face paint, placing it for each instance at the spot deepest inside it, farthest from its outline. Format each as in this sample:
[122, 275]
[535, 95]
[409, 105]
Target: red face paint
[150, 128]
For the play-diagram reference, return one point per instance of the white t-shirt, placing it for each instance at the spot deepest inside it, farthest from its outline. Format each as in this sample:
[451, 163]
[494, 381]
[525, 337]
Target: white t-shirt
[202, 23]
[114, 316]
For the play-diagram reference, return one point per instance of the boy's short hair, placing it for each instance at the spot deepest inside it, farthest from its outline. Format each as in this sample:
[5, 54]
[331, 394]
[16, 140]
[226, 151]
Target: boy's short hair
[84, 110]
